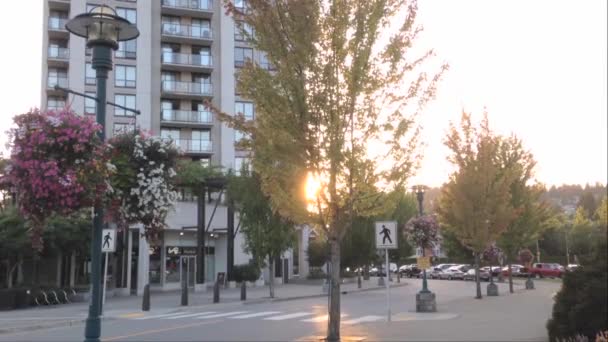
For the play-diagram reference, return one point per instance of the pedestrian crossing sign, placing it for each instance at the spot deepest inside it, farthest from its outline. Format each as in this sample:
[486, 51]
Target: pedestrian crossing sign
[108, 241]
[386, 235]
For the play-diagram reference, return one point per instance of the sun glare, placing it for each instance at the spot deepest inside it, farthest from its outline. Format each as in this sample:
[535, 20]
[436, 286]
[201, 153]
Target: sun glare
[313, 185]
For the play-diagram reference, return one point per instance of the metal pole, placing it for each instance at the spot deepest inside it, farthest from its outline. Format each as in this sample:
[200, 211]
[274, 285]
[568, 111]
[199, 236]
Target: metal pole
[567, 250]
[102, 64]
[388, 288]
[105, 280]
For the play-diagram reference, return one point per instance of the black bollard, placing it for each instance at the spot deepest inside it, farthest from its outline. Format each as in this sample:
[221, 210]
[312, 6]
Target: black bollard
[398, 277]
[243, 290]
[359, 281]
[145, 306]
[184, 294]
[216, 292]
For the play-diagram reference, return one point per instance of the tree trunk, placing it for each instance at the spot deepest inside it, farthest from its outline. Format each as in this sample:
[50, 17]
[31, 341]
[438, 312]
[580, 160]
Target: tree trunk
[20, 269]
[333, 328]
[477, 280]
[271, 276]
[72, 269]
[510, 279]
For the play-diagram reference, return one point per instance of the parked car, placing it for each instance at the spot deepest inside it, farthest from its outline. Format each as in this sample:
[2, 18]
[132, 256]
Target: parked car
[429, 271]
[437, 270]
[572, 267]
[541, 270]
[470, 275]
[517, 270]
[454, 272]
[409, 270]
[380, 272]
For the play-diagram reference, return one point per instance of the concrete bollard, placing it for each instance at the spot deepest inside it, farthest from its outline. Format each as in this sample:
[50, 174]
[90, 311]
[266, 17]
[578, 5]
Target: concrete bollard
[243, 290]
[184, 294]
[216, 292]
[145, 306]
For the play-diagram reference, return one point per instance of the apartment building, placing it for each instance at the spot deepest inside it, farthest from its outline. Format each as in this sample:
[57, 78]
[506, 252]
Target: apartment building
[187, 54]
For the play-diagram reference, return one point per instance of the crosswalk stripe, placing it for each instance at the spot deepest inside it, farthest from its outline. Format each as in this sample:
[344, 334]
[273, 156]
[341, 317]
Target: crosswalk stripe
[258, 314]
[160, 316]
[371, 318]
[320, 318]
[193, 314]
[225, 314]
[289, 316]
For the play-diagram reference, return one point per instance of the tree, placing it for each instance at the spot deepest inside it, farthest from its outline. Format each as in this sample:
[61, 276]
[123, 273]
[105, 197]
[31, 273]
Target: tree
[405, 209]
[588, 203]
[267, 233]
[530, 212]
[453, 248]
[475, 203]
[340, 83]
[602, 213]
[14, 240]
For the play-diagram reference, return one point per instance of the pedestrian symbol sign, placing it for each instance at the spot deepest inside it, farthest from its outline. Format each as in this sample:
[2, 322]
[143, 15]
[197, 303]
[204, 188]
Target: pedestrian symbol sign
[108, 241]
[386, 235]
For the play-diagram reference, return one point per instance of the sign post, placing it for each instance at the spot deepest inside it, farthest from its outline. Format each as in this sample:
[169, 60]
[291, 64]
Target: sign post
[108, 245]
[386, 238]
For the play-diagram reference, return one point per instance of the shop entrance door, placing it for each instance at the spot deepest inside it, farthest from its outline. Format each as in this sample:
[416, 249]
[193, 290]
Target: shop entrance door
[187, 271]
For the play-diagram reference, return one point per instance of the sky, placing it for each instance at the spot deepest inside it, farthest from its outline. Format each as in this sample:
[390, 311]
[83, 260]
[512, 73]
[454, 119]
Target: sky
[538, 67]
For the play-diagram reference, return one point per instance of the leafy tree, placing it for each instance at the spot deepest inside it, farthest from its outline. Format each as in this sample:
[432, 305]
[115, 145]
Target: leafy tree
[341, 82]
[475, 203]
[405, 209]
[267, 233]
[317, 253]
[529, 211]
[602, 213]
[14, 240]
[453, 248]
[588, 203]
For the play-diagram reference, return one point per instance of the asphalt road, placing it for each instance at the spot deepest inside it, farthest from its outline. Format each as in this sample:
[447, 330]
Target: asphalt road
[509, 317]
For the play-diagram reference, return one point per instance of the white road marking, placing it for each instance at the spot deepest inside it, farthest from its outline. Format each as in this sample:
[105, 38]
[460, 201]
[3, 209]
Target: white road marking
[225, 314]
[371, 318]
[289, 316]
[320, 318]
[160, 316]
[194, 314]
[258, 314]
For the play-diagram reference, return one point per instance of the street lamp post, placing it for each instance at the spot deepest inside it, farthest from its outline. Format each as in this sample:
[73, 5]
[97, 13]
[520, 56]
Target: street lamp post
[419, 190]
[425, 299]
[102, 29]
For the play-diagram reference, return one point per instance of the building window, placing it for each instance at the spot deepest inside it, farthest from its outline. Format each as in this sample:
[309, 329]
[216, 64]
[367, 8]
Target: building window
[127, 49]
[201, 28]
[124, 76]
[242, 55]
[128, 13]
[242, 31]
[170, 134]
[55, 103]
[240, 4]
[245, 108]
[265, 63]
[125, 101]
[120, 128]
[89, 74]
[90, 105]
[57, 77]
[240, 164]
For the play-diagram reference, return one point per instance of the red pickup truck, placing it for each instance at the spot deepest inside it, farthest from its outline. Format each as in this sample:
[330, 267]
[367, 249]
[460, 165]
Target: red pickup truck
[540, 270]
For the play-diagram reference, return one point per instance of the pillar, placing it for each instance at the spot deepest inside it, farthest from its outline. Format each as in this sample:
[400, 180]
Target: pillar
[129, 257]
[73, 269]
[143, 263]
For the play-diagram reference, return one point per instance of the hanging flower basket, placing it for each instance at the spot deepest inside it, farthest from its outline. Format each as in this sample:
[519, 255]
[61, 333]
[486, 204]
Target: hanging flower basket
[492, 254]
[526, 257]
[423, 231]
[143, 190]
[57, 166]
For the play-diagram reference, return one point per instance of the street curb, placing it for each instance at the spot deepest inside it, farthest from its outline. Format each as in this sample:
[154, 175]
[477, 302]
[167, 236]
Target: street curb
[321, 295]
[59, 324]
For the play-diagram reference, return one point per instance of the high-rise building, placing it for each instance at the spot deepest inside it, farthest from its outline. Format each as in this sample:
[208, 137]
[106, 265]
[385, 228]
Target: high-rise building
[187, 54]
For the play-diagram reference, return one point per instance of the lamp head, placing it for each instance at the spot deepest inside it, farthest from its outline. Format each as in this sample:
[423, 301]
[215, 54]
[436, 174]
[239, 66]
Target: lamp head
[101, 26]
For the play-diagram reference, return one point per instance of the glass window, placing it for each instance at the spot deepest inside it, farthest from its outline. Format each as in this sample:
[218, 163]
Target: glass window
[90, 105]
[169, 134]
[201, 28]
[89, 74]
[125, 76]
[245, 108]
[240, 4]
[242, 31]
[128, 13]
[125, 101]
[265, 63]
[55, 103]
[127, 49]
[241, 55]
[240, 163]
[123, 128]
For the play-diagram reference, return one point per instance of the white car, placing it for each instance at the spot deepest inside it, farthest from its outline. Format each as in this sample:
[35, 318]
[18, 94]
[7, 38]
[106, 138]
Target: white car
[454, 272]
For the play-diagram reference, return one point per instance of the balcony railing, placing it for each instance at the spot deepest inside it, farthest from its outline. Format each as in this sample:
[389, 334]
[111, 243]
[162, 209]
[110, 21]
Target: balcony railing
[193, 88]
[187, 59]
[201, 117]
[193, 146]
[60, 81]
[59, 52]
[201, 5]
[57, 23]
[196, 32]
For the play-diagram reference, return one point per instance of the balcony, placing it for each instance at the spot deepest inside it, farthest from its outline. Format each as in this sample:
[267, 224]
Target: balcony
[54, 80]
[182, 61]
[190, 90]
[178, 33]
[58, 56]
[57, 28]
[180, 118]
[59, 5]
[193, 146]
[192, 8]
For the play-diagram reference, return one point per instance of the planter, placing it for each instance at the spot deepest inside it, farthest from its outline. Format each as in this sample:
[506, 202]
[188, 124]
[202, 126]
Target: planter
[260, 283]
[232, 284]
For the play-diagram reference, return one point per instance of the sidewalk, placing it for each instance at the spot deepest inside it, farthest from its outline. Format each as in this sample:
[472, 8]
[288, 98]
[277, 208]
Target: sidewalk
[167, 302]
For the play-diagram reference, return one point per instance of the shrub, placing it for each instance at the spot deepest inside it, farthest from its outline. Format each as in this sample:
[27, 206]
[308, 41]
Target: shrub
[316, 273]
[246, 272]
[317, 253]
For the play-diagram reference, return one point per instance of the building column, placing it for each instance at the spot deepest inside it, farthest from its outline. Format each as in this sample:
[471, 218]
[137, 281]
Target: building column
[143, 263]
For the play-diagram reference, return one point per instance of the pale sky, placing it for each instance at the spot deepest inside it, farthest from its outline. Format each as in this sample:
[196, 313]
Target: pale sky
[538, 66]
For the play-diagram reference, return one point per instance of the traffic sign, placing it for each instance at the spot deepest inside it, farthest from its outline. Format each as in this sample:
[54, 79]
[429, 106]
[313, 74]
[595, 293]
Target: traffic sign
[424, 263]
[108, 241]
[386, 235]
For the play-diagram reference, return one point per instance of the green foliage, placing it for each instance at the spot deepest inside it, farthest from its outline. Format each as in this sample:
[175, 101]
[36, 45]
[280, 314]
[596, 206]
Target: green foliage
[246, 272]
[588, 204]
[13, 233]
[454, 249]
[267, 233]
[317, 253]
[192, 173]
[358, 248]
[580, 305]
